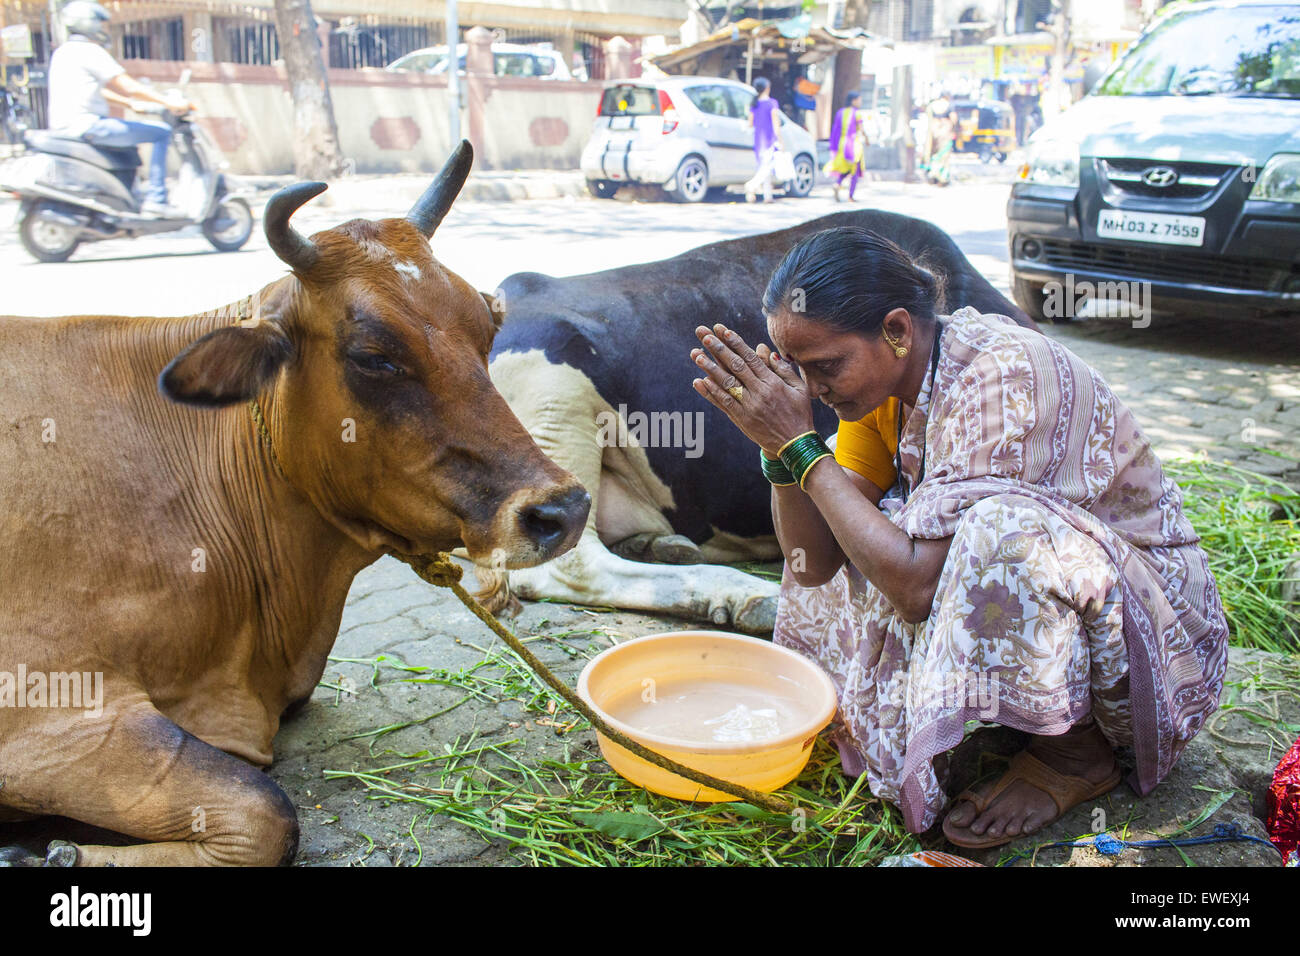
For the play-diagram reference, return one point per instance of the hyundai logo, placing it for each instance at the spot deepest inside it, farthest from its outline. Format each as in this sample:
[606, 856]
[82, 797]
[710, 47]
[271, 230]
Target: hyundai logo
[1159, 176]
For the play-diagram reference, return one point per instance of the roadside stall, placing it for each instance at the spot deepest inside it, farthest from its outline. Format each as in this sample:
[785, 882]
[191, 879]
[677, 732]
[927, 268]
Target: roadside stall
[810, 68]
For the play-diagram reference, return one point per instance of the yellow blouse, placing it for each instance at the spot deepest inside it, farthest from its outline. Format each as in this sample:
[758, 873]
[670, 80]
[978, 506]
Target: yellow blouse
[868, 445]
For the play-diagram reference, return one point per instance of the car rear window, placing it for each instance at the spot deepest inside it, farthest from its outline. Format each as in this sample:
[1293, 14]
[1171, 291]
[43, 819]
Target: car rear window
[630, 101]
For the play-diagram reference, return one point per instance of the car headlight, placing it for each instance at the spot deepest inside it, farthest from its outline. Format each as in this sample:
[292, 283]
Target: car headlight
[1051, 162]
[1279, 180]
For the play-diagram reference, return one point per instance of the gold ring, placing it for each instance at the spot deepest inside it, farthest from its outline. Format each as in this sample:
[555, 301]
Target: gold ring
[736, 391]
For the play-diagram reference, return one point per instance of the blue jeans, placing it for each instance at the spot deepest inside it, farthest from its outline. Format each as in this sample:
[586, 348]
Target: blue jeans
[118, 133]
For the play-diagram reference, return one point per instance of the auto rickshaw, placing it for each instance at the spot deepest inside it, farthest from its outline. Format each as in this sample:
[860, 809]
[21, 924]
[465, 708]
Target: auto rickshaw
[986, 128]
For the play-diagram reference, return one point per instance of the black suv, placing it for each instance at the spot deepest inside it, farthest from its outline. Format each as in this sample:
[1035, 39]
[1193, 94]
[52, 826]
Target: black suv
[1180, 172]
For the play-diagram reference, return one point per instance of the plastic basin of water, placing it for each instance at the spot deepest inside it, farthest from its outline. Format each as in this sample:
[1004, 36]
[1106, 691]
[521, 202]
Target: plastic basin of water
[735, 707]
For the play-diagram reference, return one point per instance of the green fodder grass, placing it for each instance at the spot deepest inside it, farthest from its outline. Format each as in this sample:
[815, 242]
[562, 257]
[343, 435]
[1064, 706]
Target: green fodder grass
[574, 810]
[1250, 530]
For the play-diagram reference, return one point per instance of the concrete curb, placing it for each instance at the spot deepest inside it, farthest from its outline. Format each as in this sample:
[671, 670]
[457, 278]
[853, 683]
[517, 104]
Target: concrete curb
[402, 189]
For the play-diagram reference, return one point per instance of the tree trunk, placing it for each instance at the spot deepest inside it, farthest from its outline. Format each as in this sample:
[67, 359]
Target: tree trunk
[316, 153]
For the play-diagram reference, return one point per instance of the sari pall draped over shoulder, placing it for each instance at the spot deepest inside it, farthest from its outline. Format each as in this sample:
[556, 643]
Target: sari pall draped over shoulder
[1074, 584]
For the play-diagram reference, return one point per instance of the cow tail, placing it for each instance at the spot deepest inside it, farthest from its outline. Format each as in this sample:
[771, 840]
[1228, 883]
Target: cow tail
[494, 592]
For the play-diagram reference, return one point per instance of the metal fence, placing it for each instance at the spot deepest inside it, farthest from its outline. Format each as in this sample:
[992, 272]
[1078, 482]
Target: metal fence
[245, 40]
[161, 39]
[354, 43]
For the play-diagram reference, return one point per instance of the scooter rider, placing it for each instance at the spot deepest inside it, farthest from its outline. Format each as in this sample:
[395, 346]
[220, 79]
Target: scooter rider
[84, 78]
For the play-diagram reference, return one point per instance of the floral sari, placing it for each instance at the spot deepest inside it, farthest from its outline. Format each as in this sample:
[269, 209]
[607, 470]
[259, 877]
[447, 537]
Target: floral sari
[1074, 584]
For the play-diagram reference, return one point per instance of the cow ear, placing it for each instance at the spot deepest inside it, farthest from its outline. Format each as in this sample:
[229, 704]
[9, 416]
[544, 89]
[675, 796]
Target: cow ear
[496, 303]
[226, 366]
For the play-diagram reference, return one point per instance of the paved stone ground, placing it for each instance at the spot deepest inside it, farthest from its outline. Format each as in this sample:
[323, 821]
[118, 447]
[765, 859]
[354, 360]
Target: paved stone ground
[1227, 389]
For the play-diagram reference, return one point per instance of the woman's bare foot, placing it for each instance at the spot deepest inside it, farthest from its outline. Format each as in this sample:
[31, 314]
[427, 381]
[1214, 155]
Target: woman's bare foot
[1023, 808]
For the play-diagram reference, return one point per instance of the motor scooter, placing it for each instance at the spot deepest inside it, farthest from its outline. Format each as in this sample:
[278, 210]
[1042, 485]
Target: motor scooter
[71, 192]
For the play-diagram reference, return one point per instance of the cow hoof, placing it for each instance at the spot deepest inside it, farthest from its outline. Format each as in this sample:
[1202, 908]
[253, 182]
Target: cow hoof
[659, 548]
[512, 609]
[18, 856]
[758, 616]
[719, 615]
[675, 549]
[636, 548]
[61, 853]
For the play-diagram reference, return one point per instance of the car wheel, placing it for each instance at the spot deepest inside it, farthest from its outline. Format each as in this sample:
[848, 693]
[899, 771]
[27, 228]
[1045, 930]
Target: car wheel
[692, 180]
[1000, 157]
[804, 174]
[1029, 296]
[601, 188]
[986, 154]
[229, 226]
[45, 240]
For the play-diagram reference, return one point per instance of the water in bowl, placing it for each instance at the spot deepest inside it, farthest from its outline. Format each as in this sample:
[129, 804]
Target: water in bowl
[709, 710]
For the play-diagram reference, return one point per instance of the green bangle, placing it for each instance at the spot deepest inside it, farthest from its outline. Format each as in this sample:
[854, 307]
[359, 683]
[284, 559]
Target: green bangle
[780, 452]
[801, 453]
[774, 470]
[806, 471]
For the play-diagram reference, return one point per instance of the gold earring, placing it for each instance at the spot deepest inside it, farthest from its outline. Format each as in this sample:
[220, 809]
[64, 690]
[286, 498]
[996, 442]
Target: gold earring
[900, 351]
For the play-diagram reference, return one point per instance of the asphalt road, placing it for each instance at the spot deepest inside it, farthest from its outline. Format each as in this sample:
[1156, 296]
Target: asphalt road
[180, 273]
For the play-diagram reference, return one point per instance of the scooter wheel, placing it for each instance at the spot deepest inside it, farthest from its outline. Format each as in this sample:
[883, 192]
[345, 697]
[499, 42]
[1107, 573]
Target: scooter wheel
[46, 241]
[229, 226]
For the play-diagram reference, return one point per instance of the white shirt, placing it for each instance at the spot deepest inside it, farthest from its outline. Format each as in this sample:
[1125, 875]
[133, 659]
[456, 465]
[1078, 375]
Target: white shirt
[78, 71]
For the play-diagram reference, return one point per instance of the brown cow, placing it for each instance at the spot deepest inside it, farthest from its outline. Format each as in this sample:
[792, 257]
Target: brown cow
[188, 565]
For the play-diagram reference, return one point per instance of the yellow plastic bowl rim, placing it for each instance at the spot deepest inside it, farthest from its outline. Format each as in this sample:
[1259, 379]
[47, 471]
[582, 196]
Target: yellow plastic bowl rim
[804, 731]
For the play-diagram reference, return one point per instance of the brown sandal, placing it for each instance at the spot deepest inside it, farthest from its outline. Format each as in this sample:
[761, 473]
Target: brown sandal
[1066, 792]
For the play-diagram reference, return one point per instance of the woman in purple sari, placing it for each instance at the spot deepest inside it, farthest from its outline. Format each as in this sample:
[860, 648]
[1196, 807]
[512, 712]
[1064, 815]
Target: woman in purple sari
[847, 153]
[1030, 566]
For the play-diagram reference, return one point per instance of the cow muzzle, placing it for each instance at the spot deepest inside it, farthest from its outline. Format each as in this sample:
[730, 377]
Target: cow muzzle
[530, 528]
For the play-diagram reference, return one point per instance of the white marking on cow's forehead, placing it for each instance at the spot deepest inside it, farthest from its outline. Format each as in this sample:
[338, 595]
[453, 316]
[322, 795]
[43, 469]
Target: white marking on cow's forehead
[378, 252]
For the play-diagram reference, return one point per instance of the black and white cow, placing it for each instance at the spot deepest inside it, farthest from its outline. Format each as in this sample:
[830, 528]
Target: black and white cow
[598, 369]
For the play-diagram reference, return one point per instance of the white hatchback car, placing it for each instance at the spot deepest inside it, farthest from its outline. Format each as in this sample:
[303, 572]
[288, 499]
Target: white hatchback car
[688, 134]
[509, 59]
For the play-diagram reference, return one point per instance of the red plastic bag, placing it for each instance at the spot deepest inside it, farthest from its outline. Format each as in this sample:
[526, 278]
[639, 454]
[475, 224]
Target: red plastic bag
[1284, 807]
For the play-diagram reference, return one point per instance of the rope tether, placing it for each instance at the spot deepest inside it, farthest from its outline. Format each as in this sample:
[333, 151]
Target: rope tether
[441, 572]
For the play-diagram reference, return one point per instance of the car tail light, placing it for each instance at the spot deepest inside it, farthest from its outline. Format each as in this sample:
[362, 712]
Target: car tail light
[668, 110]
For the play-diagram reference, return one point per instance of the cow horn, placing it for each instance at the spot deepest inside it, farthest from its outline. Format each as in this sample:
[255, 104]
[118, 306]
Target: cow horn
[429, 209]
[298, 252]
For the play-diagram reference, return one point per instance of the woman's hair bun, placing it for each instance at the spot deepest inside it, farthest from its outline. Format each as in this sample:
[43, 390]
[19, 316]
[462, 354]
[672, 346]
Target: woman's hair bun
[850, 279]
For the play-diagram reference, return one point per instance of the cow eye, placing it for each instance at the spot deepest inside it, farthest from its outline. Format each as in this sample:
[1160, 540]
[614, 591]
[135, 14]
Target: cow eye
[375, 362]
